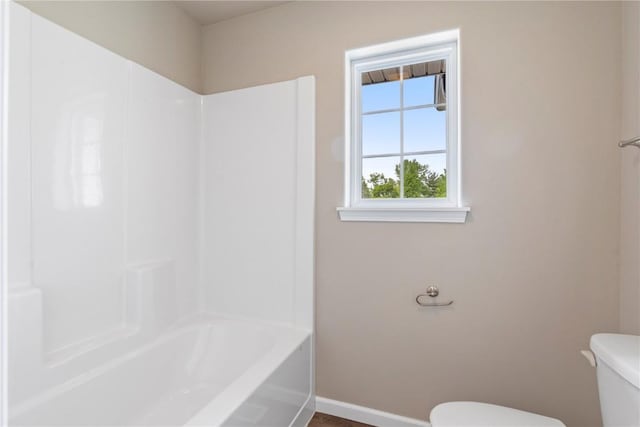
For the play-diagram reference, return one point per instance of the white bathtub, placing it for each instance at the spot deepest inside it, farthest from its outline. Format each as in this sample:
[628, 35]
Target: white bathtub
[209, 371]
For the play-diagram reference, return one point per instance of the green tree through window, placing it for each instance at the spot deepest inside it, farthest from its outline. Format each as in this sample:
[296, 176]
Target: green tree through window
[419, 182]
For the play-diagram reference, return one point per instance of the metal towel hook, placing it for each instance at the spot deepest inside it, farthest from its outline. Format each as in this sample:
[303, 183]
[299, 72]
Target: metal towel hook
[432, 292]
[635, 142]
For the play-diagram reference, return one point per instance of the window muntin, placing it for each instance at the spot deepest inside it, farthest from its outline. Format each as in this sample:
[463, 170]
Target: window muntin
[401, 120]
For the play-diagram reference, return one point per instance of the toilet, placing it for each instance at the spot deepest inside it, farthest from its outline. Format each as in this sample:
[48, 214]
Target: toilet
[618, 372]
[617, 359]
[476, 414]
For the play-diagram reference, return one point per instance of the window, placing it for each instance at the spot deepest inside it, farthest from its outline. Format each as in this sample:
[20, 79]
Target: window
[402, 137]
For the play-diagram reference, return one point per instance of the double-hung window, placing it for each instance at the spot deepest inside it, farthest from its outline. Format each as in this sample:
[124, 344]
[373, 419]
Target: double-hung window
[402, 132]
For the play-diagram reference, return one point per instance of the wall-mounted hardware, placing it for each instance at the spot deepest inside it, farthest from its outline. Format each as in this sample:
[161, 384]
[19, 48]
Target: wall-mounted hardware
[635, 142]
[431, 292]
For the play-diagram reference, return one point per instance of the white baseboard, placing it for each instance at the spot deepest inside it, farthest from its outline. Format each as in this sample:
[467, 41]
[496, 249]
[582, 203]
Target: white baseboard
[365, 415]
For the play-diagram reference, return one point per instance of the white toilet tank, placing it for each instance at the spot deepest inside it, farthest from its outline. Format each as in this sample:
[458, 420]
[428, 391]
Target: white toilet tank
[618, 370]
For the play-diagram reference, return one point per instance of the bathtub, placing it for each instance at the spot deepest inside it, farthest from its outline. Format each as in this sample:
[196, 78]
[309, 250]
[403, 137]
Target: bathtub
[209, 370]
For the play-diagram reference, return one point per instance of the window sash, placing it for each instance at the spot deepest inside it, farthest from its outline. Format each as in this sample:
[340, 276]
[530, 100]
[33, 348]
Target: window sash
[446, 51]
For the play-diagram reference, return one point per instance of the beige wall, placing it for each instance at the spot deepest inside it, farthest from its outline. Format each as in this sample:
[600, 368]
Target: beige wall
[533, 273]
[157, 35]
[630, 175]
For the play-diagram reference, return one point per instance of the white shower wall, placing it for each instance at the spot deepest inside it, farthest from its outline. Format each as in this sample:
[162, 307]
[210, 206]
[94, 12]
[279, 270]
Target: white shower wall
[258, 201]
[134, 202]
[102, 188]
[162, 170]
[77, 197]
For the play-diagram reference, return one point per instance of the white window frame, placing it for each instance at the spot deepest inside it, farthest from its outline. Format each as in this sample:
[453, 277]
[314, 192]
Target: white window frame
[444, 45]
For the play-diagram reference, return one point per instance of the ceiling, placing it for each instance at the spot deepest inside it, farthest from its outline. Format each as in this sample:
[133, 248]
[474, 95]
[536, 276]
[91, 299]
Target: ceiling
[212, 11]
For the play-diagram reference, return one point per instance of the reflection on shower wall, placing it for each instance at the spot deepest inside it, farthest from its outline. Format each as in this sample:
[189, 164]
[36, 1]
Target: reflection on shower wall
[77, 122]
[104, 182]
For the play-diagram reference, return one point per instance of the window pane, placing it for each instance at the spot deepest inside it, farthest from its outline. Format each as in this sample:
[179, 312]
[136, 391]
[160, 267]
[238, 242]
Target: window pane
[380, 89]
[425, 176]
[425, 129]
[420, 82]
[418, 91]
[380, 179]
[381, 133]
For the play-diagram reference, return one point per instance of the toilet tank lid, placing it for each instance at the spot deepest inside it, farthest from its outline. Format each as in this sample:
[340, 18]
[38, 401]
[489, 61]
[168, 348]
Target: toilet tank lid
[621, 353]
[476, 414]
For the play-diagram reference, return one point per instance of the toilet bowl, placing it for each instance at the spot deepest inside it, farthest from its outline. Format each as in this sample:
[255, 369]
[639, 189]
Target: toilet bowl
[476, 414]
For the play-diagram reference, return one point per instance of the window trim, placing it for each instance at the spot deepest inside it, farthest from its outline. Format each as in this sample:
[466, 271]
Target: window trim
[444, 45]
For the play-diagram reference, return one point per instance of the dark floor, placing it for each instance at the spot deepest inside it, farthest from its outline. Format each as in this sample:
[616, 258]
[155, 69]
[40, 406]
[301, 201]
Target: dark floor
[324, 420]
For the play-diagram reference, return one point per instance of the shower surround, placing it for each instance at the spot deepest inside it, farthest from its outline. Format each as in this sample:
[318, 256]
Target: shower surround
[160, 243]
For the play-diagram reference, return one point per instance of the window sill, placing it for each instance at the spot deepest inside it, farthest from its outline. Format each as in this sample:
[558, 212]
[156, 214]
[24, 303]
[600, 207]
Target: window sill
[450, 215]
